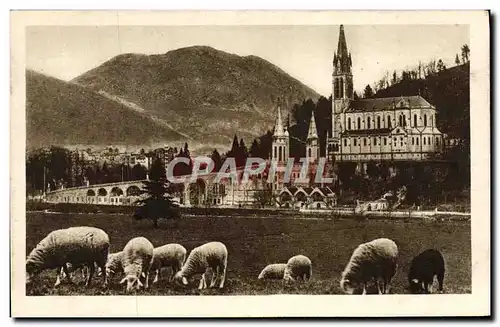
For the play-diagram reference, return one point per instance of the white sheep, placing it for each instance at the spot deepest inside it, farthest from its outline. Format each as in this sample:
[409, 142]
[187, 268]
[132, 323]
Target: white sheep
[370, 261]
[136, 261]
[298, 266]
[212, 255]
[169, 255]
[76, 245]
[273, 271]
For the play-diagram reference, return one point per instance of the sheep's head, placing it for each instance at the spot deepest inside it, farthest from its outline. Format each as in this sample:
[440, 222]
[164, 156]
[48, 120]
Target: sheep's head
[32, 270]
[415, 286]
[132, 282]
[348, 286]
[180, 279]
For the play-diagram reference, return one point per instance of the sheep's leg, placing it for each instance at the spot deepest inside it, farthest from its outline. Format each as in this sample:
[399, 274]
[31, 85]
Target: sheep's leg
[103, 271]
[440, 278]
[66, 271]
[306, 276]
[146, 277]
[222, 277]
[426, 287]
[202, 282]
[384, 286]
[91, 273]
[175, 269]
[59, 274]
[215, 276]
[378, 286]
[157, 275]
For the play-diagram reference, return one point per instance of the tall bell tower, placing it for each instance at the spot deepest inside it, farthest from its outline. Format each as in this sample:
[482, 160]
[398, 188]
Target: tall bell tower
[342, 90]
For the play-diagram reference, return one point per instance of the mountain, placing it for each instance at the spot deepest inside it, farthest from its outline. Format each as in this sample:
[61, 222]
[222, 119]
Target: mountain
[207, 94]
[66, 114]
[448, 91]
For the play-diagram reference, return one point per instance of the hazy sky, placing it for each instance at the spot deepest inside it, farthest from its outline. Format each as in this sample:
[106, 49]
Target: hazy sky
[305, 52]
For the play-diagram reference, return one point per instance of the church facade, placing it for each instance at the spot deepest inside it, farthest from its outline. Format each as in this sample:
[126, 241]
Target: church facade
[394, 128]
[382, 129]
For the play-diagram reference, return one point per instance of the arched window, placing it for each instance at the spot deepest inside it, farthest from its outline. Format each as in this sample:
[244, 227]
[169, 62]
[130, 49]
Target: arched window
[415, 120]
[359, 123]
[425, 139]
[309, 152]
[417, 140]
[425, 120]
[364, 141]
[378, 122]
[341, 86]
[389, 125]
[275, 153]
[355, 142]
[412, 140]
[437, 140]
[349, 123]
[369, 123]
[375, 141]
[279, 154]
[345, 142]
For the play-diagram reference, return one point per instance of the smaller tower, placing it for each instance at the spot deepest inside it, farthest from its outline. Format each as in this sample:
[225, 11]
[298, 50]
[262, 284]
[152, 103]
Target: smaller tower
[312, 142]
[280, 146]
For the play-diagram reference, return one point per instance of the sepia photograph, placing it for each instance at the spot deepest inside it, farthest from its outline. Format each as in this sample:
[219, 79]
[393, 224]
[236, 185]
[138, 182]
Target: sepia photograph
[238, 163]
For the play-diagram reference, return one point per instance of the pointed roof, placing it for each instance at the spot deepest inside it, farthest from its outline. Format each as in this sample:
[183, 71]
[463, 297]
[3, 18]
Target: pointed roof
[313, 132]
[278, 127]
[342, 58]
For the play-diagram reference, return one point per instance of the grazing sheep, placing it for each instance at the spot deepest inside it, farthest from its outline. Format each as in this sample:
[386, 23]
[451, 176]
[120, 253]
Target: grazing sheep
[370, 261]
[423, 268]
[76, 245]
[136, 261]
[298, 266]
[273, 271]
[212, 255]
[169, 255]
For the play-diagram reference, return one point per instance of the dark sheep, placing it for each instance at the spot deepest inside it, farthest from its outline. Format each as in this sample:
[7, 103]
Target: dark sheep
[423, 268]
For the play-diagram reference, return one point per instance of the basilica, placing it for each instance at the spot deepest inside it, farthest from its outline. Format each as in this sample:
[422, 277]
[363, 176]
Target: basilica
[381, 129]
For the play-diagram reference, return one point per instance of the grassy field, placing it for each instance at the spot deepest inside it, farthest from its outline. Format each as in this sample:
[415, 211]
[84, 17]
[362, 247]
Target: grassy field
[253, 243]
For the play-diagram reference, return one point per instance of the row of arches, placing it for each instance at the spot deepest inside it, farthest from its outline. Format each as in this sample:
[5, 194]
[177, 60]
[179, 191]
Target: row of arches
[132, 190]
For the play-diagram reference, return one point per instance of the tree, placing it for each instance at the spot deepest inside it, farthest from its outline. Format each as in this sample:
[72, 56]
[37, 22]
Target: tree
[264, 196]
[440, 66]
[368, 92]
[394, 78]
[138, 172]
[465, 53]
[355, 96]
[158, 202]
[457, 60]
[216, 158]
[255, 149]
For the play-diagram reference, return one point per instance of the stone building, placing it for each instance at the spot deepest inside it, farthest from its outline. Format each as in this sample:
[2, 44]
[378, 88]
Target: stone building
[394, 128]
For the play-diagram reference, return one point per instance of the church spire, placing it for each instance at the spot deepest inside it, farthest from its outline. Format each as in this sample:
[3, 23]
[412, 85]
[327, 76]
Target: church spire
[342, 59]
[313, 133]
[278, 128]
